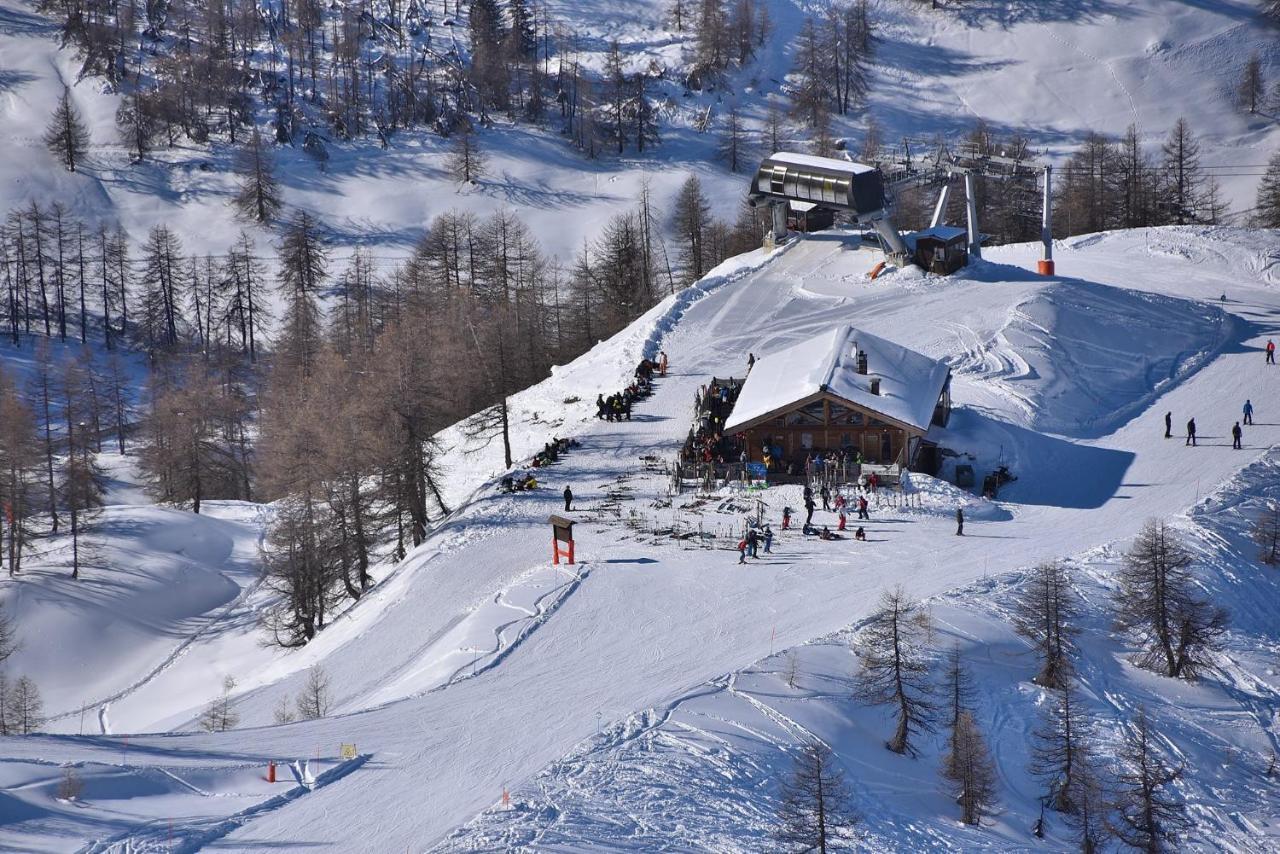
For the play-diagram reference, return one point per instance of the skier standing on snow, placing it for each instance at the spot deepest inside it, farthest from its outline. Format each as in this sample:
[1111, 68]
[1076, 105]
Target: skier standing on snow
[753, 542]
[768, 539]
[1168, 425]
[808, 506]
[662, 363]
[862, 508]
[826, 498]
[1236, 433]
[1191, 433]
[1271, 352]
[1248, 412]
[568, 499]
[751, 361]
[959, 521]
[599, 406]
[786, 518]
[742, 550]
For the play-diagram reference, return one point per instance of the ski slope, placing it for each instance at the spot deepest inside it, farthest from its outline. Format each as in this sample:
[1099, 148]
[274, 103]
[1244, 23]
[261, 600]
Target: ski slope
[475, 665]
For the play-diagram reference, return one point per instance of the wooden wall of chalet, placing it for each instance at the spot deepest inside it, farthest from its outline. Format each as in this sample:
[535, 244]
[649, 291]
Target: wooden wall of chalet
[828, 425]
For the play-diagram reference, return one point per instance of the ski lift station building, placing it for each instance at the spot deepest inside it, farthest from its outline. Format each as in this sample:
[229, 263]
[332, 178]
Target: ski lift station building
[845, 390]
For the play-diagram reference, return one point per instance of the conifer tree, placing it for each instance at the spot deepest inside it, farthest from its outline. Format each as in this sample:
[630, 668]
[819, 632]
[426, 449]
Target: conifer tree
[957, 686]
[19, 471]
[969, 767]
[895, 670]
[1252, 87]
[733, 148]
[1150, 814]
[814, 812]
[1158, 602]
[304, 268]
[24, 710]
[67, 135]
[466, 161]
[1060, 747]
[690, 219]
[1046, 612]
[1184, 182]
[1266, 533]
[258, 198]
[1267, 211]
[221, 715]
[83, 485]
[315, 698]
[811, 92]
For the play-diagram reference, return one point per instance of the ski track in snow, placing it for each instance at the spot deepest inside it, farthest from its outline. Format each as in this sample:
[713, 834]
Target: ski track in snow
[205, 628]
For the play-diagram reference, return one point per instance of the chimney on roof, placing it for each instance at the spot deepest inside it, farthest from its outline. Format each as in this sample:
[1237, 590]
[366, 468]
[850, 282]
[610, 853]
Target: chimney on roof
[862, 361]
[875, 385]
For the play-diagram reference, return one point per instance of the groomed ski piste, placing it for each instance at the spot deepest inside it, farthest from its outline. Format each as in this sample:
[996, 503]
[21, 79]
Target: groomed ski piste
[638, 700]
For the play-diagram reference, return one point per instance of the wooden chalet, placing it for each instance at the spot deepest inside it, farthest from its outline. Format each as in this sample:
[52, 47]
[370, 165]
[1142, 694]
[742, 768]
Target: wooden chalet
[846, 390]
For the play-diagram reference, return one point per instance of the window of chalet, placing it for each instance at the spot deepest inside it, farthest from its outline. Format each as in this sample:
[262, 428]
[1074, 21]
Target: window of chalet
[808, 415]
[845, 415]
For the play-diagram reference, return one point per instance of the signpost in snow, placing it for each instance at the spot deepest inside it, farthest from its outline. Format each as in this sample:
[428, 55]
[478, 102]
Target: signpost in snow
[562, 532]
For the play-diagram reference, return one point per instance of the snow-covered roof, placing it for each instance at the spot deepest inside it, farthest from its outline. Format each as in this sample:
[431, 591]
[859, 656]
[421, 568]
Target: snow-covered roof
[942, 232]
[910, 382]
[791, 158]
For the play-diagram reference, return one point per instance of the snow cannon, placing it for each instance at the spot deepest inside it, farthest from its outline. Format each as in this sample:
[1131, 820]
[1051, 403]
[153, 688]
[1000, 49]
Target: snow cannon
[802, 183]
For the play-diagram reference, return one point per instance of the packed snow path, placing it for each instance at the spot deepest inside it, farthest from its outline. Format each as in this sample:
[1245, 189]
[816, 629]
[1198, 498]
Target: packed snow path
[650, 621]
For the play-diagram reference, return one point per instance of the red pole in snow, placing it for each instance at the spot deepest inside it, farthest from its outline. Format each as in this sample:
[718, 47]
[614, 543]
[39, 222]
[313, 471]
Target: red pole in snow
[1045, 266]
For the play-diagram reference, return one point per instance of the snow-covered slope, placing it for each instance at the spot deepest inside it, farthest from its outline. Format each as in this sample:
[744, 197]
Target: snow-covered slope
[475, 665]
[1049, 69]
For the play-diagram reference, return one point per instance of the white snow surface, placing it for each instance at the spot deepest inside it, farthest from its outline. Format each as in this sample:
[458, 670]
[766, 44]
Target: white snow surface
[1052, 70]
[910, 383]
[634, 701]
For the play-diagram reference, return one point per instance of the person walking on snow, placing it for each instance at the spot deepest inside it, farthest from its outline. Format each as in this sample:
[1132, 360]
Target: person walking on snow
[786, 518]
[599, 406]
[826, 499]
[662, 363]
[862, 508]
[1168, 425]
[1248, 412]
[808, 506]
[742, 550]
[768, 539]
[959, 521]
[1236, 433]
[1191, 433]
[568, 499]
[1271, 352]
[753, 542]
[751, 361]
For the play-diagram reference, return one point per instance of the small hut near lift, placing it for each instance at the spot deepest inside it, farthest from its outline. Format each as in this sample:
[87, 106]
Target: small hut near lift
[846, 390]
[942, 249]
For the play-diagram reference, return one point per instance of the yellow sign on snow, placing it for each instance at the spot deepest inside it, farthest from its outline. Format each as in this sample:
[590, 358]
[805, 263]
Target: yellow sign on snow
[348, 751]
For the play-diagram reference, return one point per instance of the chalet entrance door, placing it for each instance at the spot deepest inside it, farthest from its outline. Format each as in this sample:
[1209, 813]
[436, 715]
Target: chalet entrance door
[871, 447]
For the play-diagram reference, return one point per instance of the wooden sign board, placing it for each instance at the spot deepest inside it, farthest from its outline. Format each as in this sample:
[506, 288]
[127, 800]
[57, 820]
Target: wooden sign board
[563, 528]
